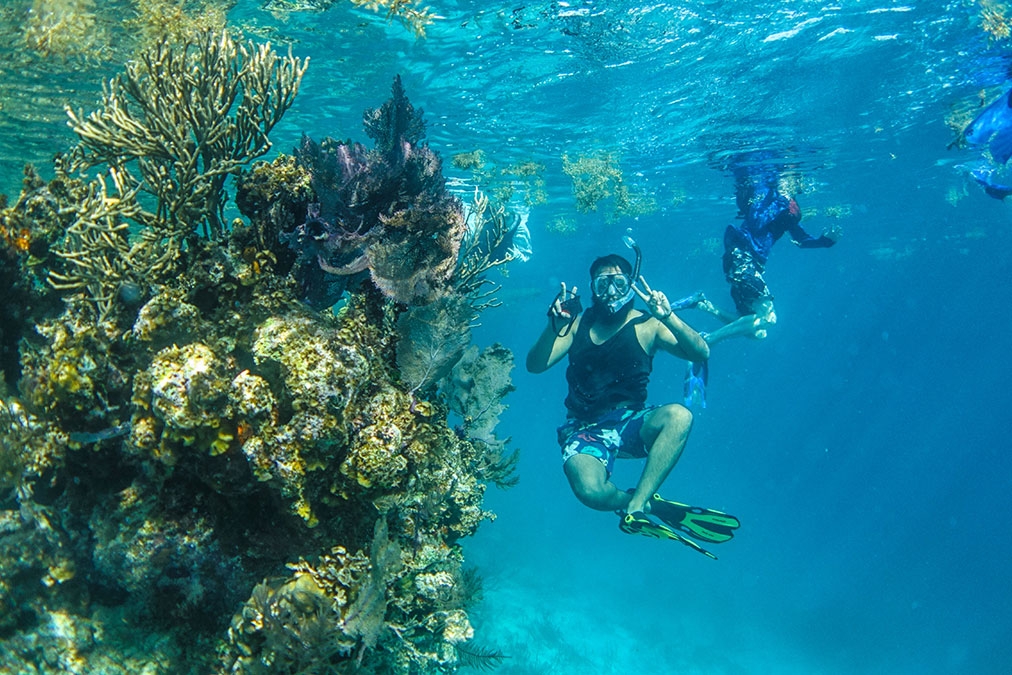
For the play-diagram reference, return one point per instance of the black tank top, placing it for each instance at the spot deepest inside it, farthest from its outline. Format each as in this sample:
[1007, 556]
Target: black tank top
[601, 377]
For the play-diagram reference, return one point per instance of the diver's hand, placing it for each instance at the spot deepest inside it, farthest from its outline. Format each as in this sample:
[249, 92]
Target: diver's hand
[557, 308]
[833, 233]
[656, 301]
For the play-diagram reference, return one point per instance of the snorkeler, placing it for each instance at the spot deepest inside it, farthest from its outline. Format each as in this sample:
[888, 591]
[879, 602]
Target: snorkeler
[766, 215]
[611, 348]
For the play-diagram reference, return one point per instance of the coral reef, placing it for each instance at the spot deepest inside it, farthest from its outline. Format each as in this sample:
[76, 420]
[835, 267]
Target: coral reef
[385, 210]
[184, 118]
[199, 471]
[27, 231]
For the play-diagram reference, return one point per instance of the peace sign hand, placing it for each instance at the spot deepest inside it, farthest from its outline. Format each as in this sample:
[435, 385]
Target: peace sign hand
[656, 301]
[560, 306]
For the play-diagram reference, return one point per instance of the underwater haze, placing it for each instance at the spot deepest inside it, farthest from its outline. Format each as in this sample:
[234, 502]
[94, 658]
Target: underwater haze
[864, 444]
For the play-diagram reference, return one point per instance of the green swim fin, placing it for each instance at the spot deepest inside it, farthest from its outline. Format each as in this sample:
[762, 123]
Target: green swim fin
[707, 525]
[638, 523]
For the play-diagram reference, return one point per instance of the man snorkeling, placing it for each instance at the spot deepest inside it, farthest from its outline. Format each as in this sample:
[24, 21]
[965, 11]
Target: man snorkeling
[611, 348]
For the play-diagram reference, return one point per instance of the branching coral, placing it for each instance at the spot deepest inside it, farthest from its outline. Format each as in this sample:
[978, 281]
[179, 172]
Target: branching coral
[185, 118]
[100, 260]
[491, 240]
[175, 127]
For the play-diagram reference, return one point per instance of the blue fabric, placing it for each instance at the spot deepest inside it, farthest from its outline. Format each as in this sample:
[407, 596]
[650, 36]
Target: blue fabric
[614, 434]
[766, 216]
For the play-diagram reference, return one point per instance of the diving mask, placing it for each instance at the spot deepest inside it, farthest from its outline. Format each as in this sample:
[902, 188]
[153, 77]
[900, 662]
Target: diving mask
[623, 295]
[601, 283]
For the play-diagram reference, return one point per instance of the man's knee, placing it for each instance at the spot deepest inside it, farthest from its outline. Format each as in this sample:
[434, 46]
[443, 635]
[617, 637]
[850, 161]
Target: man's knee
[587, 478]
[673, 417]
[589, 494]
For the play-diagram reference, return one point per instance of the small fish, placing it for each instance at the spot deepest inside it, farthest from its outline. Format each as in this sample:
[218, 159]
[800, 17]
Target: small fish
[994, 124]
[86, 437]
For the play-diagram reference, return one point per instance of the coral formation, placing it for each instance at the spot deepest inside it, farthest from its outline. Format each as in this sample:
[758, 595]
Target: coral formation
[199, 471]
[184, 118]
[385, 210]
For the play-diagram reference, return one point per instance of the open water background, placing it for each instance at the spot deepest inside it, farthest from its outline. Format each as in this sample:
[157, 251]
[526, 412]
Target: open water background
[864, 444]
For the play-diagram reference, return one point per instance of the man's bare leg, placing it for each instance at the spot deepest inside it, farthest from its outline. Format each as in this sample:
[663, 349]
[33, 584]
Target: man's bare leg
[750, 325]
[589, 480]
[665, 432]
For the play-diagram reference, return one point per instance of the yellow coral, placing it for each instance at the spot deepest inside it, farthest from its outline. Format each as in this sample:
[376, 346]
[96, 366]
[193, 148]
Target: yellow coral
[221, 444]
[60, 571]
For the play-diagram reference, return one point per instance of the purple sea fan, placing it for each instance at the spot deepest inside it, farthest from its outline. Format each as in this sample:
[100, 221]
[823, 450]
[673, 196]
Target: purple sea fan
[334, 249]
[386, 209]
[415, 259]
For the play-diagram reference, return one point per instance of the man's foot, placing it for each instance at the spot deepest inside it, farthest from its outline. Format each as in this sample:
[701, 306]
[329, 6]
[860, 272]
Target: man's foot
[765, 312]
[758, 328]
[708, 525]
[638, 523]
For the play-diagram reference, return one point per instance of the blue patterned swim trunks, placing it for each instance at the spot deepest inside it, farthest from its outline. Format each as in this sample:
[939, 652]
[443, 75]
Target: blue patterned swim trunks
[616, 434]
[745, 274]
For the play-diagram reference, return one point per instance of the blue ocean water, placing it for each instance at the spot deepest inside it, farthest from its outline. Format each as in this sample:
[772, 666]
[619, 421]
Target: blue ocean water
[863, 444]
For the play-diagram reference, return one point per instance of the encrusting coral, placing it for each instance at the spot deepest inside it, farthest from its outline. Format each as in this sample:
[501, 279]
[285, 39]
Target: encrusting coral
[199, 471]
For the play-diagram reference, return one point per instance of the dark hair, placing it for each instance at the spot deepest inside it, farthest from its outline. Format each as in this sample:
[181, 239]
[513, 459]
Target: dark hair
[611, 260]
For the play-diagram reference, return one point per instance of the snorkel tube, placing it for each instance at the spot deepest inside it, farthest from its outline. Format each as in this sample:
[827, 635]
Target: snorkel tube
[631, 243]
